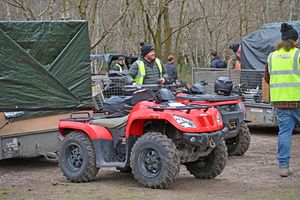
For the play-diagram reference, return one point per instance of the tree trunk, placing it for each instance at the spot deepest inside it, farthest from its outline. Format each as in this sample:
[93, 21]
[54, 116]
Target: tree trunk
[167, 32]
[281, 18]
[8, 13]
[93, 17]
[82, 7]
[27, 11]
[66, 10]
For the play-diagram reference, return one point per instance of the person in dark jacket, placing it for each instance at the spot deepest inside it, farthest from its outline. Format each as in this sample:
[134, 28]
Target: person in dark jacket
[147, 69]
[216, 61]
[171, 69]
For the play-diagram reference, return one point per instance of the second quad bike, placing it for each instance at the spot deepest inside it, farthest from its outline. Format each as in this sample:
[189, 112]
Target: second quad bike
[156, 136]
[232, 110]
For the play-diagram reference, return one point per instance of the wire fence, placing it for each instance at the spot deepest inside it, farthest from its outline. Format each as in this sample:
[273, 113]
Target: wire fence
[104, 87]
[250, 78]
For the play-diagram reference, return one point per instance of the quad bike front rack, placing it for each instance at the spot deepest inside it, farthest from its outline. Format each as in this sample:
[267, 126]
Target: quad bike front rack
[187, 107]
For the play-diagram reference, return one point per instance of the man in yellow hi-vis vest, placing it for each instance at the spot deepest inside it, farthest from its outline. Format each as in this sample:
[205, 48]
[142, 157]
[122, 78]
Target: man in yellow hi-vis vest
[283, 74]
[147, 69]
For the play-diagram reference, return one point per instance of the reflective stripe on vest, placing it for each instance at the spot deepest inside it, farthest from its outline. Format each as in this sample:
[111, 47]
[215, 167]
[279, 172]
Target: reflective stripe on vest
[280, 72]
[139, 79]
[120, 68]
[284, 75]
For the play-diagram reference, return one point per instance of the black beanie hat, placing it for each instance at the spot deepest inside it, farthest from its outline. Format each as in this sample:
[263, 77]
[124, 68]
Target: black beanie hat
[288, 32]
[145, 48]
[234, 47]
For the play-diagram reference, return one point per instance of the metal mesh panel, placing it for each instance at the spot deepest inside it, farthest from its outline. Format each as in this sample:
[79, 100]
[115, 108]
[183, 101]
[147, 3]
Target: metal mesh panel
[104, 87]
[109, 86]
[251, 78]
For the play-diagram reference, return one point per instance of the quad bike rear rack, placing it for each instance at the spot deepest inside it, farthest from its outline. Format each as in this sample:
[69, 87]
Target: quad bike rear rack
[79, 117]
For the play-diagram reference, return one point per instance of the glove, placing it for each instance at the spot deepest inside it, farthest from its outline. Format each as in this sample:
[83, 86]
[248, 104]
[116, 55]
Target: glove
[161, 81]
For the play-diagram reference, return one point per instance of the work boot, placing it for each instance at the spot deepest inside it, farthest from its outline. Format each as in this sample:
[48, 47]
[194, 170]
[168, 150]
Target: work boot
[285, 171]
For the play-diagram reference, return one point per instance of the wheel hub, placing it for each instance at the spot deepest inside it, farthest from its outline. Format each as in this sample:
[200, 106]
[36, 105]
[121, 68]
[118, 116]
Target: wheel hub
[74, 157]
[150, 162]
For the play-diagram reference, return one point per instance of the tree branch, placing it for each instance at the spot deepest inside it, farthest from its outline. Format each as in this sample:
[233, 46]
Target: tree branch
[112, 26]
[17, 5]
[191, 21]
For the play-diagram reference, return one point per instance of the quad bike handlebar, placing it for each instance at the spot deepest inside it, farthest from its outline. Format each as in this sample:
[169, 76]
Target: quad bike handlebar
[153, 87]
[186, 107]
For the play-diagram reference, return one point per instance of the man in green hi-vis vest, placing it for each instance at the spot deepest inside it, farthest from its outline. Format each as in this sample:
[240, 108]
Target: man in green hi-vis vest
[283, 74]
[147, 69]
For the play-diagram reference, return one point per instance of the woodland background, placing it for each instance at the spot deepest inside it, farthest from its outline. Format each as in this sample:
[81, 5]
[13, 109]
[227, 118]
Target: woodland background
[188, 29]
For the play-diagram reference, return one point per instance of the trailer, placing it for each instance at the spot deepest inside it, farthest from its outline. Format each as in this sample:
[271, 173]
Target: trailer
[44, 76]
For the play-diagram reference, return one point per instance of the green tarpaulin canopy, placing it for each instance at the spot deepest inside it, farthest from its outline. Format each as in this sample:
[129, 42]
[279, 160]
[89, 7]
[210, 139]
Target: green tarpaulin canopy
[44, 66]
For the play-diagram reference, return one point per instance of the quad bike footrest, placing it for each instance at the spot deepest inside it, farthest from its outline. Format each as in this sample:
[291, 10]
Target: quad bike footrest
[208, 139]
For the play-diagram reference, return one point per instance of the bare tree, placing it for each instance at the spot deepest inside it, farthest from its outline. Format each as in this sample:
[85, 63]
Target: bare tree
[114, 23]
[82, 8]
[8, 13]
[66, 10]
[24, 5]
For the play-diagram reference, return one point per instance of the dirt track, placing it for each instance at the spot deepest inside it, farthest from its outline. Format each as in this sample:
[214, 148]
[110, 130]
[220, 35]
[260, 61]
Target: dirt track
[252, 176]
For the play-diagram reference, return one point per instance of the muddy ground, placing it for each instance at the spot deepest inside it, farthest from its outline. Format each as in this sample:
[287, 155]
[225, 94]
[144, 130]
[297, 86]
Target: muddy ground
[252, 176]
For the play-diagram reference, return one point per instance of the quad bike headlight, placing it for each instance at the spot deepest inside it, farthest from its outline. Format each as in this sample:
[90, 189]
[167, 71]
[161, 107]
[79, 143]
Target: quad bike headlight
[241, 107]
[184, 123]
[219, 118]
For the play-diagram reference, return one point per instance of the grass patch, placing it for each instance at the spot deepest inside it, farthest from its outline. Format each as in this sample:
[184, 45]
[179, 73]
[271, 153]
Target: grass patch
[127, 196]
[283, 194]
[249, 198]
[99, 192]
[275, 194]
[198, 197]
[3, 192]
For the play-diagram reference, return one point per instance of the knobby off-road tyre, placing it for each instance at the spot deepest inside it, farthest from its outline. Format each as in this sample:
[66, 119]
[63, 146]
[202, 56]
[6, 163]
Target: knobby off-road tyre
[154, 160]
[77, 158]
[210, 166]
[239, 145]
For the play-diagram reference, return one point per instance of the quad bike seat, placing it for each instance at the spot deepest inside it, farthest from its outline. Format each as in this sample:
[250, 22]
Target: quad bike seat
[209, 97]
[110, 122]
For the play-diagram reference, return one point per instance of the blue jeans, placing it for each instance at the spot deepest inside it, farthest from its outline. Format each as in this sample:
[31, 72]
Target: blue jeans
[287, 118]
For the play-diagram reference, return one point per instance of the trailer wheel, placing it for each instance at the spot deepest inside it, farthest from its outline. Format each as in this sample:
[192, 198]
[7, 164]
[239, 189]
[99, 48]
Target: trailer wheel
[77, 158]
[297, 129]
[154, 160]
[210, 166]
[239, 145]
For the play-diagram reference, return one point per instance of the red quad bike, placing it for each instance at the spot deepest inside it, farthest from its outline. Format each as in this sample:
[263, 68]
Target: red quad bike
[151, 141]
[231, 108]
